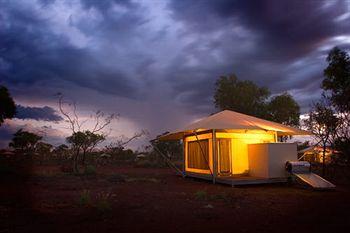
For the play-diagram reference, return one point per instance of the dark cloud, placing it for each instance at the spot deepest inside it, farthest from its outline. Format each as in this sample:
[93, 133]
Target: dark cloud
[35, 55]
[49, 134]
[258, 40]
[106, 4]
[284, 30]
[37, 113]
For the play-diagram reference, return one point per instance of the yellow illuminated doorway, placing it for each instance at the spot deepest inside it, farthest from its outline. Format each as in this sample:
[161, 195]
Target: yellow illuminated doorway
[224, 156]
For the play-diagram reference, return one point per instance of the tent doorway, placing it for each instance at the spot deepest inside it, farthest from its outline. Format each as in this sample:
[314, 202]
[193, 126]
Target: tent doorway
[224, 156]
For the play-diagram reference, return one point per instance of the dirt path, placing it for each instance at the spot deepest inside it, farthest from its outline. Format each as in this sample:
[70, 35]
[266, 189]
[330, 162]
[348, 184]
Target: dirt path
[155, 200]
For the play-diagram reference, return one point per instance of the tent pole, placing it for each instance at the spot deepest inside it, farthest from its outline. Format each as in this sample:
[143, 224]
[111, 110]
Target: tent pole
[184, 156]
[276, 136]
[214, 157]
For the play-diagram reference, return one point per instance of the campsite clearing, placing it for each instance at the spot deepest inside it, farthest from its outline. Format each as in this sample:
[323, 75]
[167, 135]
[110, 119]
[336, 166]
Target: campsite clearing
[127, 199]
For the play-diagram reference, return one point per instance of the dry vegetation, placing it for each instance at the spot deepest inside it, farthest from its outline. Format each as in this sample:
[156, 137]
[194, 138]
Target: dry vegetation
[42, 198]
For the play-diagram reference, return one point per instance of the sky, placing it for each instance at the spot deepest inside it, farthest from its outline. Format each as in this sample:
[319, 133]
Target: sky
[155, 62]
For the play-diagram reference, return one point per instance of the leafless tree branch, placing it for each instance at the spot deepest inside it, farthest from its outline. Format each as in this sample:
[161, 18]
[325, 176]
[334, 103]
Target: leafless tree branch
[66, 114]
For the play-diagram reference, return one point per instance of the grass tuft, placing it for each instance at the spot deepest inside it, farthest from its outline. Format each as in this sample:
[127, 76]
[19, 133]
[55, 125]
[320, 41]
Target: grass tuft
[85, 198]
[201, 195]
[103, 202]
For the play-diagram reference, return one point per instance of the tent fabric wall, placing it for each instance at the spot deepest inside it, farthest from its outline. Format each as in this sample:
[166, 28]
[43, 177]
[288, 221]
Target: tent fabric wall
[224, 153]
[208, 148]
[198, 154]
[239, 142]
[238, 150]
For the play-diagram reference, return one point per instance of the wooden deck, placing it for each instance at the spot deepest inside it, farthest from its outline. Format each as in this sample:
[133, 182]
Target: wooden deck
[238, 180]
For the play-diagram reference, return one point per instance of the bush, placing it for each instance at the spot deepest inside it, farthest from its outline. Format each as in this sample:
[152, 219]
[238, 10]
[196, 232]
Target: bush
[102, 202]
[90, 170]
[200, 195]
[85, 198]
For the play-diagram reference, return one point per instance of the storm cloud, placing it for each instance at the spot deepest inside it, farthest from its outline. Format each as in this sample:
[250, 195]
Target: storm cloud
[156, 62]
[37, 113]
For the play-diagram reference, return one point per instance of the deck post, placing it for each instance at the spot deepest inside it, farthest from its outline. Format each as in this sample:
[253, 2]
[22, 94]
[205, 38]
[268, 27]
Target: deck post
[214, 157]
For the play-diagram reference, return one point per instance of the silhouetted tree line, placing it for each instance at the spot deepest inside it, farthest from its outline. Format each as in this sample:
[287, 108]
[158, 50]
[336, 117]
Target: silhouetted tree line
[329, 118]
[246, 97]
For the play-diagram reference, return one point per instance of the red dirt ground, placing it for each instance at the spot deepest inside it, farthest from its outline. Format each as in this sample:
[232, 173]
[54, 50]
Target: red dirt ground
[156, 200]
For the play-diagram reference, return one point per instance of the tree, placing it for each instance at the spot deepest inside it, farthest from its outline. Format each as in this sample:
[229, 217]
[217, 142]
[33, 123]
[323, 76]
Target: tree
[61, 151]
[83, 142]
[81, 139]
[90, 142]
[284, 109]
[240, 96]
[43, 147]
[337, 86]
[246, 97]
[322, 122]
[44, 150]
[7, 106]
[77, 141]
[24, 141]
[117, 148]
[337, 79]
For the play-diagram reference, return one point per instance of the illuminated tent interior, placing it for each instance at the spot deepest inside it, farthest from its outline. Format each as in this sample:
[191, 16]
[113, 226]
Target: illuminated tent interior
[222, 145]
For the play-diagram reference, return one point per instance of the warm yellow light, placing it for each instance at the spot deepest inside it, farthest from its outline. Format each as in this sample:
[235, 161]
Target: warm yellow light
[239, 142]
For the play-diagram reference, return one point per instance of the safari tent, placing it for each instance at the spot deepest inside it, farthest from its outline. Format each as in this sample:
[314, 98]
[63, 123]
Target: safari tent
[234, 148]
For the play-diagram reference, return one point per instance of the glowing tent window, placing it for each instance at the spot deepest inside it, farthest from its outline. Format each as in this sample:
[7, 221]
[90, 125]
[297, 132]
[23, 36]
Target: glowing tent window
[198, 154]
[224, 155]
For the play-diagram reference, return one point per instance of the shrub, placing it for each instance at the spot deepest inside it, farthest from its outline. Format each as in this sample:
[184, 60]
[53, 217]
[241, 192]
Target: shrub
[85, 198]
[200, 195]
[90, 170]
[103, 202]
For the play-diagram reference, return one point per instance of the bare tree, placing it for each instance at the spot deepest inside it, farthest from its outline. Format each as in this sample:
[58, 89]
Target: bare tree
[69, 111]
[323, 123]
[119, 144]
[84, 139]
[123, 141]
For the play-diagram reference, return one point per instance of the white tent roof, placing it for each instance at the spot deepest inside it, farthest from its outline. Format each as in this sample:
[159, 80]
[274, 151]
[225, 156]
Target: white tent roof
[231, 121]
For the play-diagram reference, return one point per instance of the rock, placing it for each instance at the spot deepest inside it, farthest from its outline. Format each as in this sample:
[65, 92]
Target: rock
[209, 206]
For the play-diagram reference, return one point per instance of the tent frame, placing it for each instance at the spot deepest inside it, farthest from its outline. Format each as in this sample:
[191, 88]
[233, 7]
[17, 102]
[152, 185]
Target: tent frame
[232, 180]
[214, 154]
[213, 171]
[202, 152]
